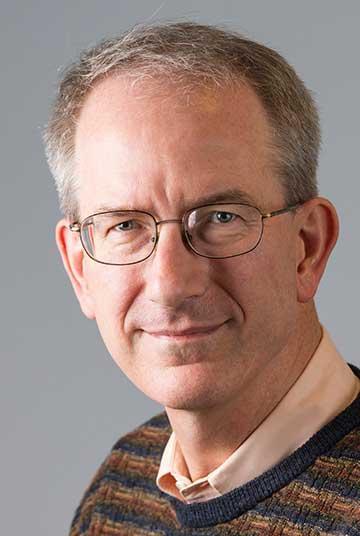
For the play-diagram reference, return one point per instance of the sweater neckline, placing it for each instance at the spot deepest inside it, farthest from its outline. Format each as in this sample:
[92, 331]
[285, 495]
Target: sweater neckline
[245, 497]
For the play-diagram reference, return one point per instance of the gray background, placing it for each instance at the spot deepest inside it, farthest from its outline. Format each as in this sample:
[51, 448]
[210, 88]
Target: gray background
[63, 401]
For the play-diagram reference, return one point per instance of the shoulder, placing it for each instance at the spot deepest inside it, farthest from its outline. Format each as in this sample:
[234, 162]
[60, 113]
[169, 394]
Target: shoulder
[132, 461]
[147, 438]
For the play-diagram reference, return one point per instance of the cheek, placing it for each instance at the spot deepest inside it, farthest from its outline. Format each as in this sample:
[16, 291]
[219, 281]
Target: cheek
[113, 290]
[277, 287]
[262, 282]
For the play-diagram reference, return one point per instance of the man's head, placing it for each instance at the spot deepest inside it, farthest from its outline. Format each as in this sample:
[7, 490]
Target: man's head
[167, 129]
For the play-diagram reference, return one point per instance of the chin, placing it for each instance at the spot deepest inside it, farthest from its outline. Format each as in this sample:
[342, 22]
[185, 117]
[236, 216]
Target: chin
[186, 389]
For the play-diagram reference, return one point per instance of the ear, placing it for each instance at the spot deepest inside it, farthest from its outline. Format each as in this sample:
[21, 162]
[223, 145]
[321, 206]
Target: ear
[72, 254]
[317, 233]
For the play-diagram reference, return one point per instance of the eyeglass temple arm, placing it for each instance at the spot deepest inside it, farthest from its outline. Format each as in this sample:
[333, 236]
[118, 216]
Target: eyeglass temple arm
[75, 227]
[281, 211]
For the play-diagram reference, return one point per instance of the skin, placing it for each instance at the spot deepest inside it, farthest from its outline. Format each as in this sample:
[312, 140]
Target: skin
[152, 149]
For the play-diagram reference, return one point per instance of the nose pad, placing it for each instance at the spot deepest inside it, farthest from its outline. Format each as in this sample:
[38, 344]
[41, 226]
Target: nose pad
[187, 234]
[187, 238]
[184, 233]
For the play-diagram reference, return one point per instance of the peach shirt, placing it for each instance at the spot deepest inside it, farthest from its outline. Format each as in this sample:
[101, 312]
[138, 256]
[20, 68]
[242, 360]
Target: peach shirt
[325, 388]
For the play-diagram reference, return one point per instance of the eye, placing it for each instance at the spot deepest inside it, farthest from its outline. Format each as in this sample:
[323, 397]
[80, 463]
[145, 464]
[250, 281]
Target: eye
[128, 225]
[222, 217]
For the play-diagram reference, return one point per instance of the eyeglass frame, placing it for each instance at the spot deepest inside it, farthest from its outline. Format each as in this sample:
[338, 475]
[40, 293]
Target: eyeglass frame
[77, 227]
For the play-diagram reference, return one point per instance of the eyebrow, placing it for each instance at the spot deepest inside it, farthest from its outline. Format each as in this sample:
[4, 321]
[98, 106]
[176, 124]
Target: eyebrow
[230, 195]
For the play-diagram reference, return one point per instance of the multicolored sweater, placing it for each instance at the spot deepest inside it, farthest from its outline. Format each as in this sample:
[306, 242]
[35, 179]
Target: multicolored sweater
[315, 491]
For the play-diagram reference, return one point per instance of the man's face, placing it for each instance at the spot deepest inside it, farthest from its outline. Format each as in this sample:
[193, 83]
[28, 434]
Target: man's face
[190, 332]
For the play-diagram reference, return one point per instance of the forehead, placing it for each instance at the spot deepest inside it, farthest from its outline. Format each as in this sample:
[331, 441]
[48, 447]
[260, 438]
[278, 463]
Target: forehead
[148, 145]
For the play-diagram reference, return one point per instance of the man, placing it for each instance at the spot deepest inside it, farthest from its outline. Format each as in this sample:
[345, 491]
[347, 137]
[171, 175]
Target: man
[185, 160]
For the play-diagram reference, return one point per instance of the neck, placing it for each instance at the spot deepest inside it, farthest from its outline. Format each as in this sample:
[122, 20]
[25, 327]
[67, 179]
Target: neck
[209, 436]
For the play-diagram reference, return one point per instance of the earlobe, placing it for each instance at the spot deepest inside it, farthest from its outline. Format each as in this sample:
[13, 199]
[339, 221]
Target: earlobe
[316, 237]
[72, 254]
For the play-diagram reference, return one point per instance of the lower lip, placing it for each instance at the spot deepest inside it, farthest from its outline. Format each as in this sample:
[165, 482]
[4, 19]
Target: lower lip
[187, 337]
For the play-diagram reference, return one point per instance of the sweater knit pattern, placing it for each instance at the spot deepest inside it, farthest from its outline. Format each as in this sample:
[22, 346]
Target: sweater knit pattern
[315, 491]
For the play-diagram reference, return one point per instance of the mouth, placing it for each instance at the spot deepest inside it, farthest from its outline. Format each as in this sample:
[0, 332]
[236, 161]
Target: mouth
[190, 334]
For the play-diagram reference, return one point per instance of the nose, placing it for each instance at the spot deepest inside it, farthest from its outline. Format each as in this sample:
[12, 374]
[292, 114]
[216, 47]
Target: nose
[173, 272]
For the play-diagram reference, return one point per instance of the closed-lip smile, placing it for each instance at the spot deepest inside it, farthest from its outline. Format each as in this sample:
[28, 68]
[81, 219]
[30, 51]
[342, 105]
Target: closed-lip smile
[188, 333]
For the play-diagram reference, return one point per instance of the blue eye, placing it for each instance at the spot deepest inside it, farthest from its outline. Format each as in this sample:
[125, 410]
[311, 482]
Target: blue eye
[223, 217]
[128, 225]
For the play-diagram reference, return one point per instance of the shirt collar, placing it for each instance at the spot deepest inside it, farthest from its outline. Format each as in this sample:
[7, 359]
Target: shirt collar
[326, 386]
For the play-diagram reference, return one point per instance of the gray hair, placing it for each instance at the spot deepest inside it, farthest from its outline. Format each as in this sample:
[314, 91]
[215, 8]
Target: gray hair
[191, 54]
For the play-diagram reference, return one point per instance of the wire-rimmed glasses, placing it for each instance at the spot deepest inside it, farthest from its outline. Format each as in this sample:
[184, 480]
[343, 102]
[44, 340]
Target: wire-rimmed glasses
[215, 231]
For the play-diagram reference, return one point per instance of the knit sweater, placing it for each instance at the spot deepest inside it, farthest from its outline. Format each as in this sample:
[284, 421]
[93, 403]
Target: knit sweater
[315, 491]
